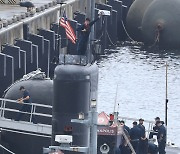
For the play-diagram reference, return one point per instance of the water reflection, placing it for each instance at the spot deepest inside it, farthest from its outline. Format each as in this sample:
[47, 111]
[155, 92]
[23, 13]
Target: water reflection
[140, 76]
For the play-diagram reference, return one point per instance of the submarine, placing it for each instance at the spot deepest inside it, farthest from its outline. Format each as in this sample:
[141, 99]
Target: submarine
[74, 82]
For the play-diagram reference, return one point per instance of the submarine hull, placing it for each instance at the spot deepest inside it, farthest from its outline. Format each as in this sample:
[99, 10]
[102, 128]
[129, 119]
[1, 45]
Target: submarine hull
[72, 94]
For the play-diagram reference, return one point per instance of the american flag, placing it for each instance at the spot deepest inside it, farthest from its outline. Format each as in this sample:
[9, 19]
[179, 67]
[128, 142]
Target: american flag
[69, 31]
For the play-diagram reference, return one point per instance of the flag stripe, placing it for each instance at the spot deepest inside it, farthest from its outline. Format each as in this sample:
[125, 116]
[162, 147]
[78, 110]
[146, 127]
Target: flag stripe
[69, 31]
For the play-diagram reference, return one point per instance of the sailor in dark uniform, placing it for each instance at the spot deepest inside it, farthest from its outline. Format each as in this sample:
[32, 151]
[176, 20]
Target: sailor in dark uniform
[155, 128]
[124, 148]
[85, 30]
[135, 136]
[25, 107]
[161, 137]
[143, 142]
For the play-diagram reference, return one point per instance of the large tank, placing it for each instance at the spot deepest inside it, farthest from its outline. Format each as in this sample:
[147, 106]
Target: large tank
[162, 19]
[134, 18]
[74, 87]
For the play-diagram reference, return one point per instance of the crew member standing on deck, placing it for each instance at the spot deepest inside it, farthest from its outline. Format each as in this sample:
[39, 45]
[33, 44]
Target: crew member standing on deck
[155, 128]
[161, 137]
[143, 142]
[135, 136]
[85, 30]
[124, 145]
[26, 107]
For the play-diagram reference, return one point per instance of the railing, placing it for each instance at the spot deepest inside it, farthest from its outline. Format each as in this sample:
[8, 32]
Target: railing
[32, 113]
[73, 59]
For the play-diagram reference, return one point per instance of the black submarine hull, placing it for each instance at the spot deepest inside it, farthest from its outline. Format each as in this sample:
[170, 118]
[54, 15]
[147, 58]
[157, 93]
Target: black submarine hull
[72, 94]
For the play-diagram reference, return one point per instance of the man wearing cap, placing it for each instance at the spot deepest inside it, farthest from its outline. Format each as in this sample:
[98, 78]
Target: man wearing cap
[155, 128]
[161, 137]
[124, 147]
[85, 30]
[26, 107]
[135, 135]
[143, 143]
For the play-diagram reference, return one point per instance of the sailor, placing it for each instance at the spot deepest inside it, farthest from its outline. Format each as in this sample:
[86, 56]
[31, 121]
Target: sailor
[155, 128]
[161, 137]
[135, 136]
[85, 30]
[124, 148]
[122, 123]
[25, 107]
[152, 148]
[143, 142]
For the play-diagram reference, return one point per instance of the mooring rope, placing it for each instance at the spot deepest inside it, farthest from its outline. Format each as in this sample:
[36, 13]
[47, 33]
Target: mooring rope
[127, 32]
[110, 38]
[157, 38]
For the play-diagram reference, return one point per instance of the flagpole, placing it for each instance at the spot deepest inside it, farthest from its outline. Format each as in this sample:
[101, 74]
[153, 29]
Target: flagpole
[59, 37]
[92, 17]
[90, 14]
[92, 31]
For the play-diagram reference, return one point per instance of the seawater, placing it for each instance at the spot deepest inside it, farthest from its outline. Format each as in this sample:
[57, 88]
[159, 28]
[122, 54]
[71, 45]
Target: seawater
[138, 78]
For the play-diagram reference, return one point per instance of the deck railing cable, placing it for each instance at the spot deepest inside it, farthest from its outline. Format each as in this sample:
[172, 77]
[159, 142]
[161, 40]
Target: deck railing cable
[32, 113]
[1, 146]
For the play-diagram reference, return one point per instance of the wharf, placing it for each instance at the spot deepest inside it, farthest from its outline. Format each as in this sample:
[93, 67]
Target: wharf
[8, 11]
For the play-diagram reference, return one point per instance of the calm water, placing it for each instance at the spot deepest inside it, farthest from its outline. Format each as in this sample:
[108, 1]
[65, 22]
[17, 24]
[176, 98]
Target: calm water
[140, 77]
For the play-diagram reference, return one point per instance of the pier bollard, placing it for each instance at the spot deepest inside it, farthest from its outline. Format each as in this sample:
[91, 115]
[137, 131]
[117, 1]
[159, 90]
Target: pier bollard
[27, 14]
[10, 21]
[14, 19]
[23, 15]
[5, 23]
[18, 17]
[38, 9]
[42, 8]
[46, 6]
[50, 4]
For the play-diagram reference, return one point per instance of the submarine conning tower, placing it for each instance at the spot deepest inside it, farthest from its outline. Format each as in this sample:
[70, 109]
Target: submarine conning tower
[75, 84]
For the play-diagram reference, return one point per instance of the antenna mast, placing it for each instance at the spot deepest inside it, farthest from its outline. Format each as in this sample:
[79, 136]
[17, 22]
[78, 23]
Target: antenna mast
[116, 99]
[90, 14]
[166, 101]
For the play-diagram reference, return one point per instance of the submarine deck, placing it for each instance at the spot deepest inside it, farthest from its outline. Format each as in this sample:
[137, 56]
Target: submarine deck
[172, 150]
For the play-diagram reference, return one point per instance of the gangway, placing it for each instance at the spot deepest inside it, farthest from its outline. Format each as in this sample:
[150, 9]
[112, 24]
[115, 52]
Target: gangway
[24, 126]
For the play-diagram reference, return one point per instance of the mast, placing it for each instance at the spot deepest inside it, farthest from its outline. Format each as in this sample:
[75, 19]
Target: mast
[92, 18]
[166, 101]
[90, 14]
[93, 128]
[116, 99]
